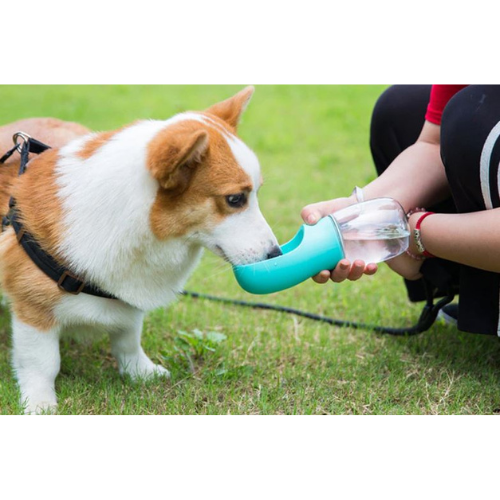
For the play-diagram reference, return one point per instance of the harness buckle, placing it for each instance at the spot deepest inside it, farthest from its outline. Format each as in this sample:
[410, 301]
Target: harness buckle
[67, 274]
[24, 138]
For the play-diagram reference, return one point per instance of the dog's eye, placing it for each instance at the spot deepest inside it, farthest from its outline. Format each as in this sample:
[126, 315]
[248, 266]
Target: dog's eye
[236, 200]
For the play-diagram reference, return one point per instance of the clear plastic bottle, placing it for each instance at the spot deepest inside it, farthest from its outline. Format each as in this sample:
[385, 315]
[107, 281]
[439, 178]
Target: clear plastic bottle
[373, 231]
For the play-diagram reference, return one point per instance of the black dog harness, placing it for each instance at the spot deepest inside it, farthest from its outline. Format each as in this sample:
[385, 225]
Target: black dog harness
[65, 279]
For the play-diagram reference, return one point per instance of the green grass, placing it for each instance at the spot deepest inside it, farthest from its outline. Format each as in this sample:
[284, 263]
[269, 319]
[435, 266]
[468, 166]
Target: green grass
[312, 142]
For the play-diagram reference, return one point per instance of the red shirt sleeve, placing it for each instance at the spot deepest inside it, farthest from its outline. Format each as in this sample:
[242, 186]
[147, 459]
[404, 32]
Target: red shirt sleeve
[440, 95]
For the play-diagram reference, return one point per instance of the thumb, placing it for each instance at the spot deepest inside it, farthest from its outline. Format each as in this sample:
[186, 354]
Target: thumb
[314, 212]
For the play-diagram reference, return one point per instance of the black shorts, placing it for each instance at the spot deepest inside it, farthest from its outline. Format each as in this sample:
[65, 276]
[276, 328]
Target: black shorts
[470, 149]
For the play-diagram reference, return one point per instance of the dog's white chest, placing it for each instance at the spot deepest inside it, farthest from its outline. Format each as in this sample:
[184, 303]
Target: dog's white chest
[160, 281]
[140, 288]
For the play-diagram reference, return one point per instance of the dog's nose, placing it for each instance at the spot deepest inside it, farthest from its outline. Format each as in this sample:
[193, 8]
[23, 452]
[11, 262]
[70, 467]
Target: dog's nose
[274, 252]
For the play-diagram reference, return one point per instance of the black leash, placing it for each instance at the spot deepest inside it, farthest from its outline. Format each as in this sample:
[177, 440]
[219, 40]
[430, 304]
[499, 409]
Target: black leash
[437, 280]
[72, 284]
[426, 320]
[65, 279]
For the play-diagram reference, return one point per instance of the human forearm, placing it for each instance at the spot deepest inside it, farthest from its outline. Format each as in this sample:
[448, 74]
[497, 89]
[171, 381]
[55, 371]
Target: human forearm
[415, 178]
[472, 239]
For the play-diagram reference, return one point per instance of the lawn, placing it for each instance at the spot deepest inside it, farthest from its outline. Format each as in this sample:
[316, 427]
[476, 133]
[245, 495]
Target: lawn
[312, 142]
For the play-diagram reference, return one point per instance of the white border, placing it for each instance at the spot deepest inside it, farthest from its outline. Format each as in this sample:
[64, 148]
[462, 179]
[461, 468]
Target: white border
[249, 457]
[258, 42]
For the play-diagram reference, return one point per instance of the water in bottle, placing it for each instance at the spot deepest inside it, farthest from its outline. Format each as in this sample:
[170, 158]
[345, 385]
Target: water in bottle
[373, 231]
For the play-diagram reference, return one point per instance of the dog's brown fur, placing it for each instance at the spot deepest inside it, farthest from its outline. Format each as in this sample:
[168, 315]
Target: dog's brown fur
[196, 186]
[53, 132]
[36, 194]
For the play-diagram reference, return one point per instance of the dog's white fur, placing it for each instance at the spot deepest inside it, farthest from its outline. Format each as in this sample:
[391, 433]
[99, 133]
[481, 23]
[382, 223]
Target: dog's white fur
[107, 199]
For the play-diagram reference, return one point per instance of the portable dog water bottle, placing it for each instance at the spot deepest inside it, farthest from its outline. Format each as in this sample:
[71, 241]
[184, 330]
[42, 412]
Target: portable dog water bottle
[372, 231]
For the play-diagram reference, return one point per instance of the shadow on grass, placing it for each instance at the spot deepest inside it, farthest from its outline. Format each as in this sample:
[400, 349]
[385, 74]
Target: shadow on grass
[465, 353]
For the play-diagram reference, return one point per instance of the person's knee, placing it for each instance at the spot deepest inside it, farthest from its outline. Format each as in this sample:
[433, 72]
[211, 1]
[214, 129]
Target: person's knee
[469, 147]
[397, 119]
[385, 112]
[462, 133]
[453, 128]
[384, 119]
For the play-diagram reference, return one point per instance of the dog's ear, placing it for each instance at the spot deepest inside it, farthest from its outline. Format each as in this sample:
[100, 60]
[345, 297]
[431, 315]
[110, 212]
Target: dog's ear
[231, 109]
[174, 154]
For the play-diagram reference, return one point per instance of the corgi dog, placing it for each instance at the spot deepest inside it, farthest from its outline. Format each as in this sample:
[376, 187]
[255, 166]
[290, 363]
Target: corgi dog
[129, 212]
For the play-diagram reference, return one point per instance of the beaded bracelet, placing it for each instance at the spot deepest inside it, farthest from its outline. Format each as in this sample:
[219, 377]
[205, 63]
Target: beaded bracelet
[418, 236]
[413, 256]
[414, 211]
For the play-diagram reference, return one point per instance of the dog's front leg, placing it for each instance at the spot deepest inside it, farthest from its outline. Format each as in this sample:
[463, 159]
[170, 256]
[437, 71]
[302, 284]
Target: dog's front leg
[36, 361]
[126, 348]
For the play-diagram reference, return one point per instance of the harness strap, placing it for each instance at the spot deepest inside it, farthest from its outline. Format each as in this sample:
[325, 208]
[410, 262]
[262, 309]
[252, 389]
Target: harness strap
[8, 154]
[65, 279]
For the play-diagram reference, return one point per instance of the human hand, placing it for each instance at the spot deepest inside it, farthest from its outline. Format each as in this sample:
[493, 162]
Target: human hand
[404, 265]
[315, 211]
[344, 269]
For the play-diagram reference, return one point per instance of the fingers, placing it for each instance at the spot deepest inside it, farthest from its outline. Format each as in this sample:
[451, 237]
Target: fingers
[346, 271]
[314, 212]
[341, 272]
[357, 270]
[371, 269]
[322, 277]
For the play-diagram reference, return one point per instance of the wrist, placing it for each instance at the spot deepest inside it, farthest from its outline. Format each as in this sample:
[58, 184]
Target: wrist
[417, 247]
[352, 199]
[358, 195]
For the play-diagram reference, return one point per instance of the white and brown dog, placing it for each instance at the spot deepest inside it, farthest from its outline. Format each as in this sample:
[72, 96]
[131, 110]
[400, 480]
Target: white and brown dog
[128, 211]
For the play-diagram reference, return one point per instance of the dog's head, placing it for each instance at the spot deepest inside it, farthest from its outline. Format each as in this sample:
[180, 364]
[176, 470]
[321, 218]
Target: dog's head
[208, 183]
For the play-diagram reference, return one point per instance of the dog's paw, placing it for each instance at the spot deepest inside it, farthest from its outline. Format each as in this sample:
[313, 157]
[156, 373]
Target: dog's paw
[40, 408]
[159, 371]
[149, 373]
[144, 369]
